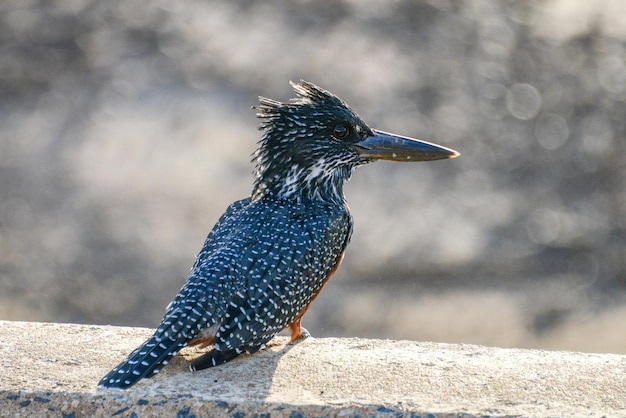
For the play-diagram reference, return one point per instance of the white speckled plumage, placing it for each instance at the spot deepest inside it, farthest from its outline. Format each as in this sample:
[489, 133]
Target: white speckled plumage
[269, 255]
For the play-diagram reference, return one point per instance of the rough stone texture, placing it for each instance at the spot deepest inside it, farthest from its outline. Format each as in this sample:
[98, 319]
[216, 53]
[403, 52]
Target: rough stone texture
[52, 369]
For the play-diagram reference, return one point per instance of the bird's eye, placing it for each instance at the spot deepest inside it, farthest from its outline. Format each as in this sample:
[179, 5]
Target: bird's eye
[341, 131]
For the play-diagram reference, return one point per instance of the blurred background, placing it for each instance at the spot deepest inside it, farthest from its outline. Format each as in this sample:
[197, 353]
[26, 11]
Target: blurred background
[126, 130]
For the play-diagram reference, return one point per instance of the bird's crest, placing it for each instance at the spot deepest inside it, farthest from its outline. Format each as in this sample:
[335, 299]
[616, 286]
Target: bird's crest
[308, 94]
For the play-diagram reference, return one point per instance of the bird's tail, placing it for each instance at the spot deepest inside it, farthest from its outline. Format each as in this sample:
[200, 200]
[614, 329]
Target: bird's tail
[145, 361]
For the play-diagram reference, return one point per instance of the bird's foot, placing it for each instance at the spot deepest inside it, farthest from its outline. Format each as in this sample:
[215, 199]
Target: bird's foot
[304, 334]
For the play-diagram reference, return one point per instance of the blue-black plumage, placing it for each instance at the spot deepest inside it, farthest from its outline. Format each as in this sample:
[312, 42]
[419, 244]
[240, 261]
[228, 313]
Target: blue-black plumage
[270, 255]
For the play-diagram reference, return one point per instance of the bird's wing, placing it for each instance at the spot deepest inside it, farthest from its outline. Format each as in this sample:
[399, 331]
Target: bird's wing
[282, 275]
[201, 300]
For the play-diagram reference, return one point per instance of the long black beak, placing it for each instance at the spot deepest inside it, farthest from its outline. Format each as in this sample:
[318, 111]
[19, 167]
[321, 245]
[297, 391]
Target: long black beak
[386, 146]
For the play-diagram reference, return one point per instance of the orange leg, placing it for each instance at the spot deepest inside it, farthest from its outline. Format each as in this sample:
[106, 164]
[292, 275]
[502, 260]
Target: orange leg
[296, 329]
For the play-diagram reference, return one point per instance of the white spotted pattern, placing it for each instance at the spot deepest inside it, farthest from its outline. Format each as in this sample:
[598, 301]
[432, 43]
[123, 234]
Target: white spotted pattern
[270, 254]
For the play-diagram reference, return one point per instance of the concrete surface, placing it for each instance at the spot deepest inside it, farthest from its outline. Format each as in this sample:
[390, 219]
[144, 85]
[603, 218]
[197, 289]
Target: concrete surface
[51, 369]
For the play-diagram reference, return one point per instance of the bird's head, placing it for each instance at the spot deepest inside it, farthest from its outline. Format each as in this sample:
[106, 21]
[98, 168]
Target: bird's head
[312, 144]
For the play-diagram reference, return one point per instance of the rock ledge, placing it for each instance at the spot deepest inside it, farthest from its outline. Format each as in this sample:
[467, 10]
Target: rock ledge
[49, 369]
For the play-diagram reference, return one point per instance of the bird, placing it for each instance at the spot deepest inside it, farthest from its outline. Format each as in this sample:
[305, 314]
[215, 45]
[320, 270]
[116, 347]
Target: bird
[269, 255]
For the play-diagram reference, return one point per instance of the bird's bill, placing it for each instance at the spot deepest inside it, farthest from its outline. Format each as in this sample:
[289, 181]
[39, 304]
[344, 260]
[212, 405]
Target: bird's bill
[390, 147]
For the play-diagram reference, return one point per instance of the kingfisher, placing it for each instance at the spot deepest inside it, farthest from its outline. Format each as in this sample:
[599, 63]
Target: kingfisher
[270, 254]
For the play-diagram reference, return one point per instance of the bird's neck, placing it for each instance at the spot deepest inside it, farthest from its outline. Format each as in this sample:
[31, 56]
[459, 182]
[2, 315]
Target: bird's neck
[319, 181]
